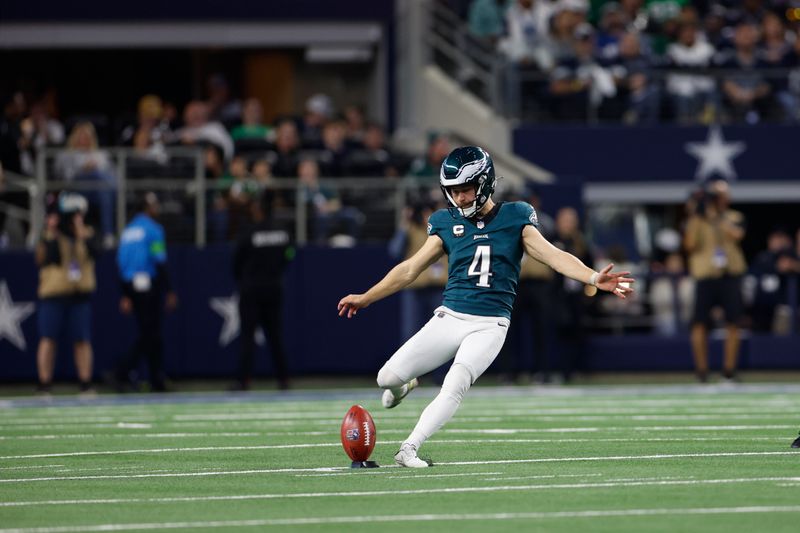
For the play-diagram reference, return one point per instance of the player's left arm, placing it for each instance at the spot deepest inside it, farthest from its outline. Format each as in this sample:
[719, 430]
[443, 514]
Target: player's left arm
[567, 264]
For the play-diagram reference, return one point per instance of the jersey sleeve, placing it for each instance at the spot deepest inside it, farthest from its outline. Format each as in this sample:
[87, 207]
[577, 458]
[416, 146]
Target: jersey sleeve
[436, 224]
[528, 214]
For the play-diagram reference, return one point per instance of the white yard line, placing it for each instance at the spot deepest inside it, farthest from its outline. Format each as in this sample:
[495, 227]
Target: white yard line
[417, 475]
[170, 450]
[621, 428]
[493, 517]
[29, 467]
[616, 458]
[405, 492]
[454, 463]
[134, 435]
[336, 444]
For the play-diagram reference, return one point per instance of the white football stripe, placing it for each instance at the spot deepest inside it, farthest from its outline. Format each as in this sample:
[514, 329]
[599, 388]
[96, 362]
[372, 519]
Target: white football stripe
[408, 492]
[452, 463]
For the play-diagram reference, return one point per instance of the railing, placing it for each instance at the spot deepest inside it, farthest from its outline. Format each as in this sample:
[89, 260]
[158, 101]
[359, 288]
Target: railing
[195, 191]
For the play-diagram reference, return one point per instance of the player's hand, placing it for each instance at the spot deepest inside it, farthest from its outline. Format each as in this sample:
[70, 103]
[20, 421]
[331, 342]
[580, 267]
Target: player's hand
[617, 283]
[351, 303]
[125, 305]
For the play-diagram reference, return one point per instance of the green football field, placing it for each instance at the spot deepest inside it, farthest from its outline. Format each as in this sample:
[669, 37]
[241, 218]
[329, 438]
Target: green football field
[624, 458]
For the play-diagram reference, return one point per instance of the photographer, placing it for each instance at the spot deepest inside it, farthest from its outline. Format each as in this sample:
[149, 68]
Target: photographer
[716, 262]
[65, 256]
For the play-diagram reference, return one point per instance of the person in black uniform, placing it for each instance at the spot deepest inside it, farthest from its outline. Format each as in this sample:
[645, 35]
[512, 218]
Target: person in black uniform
[260, 258]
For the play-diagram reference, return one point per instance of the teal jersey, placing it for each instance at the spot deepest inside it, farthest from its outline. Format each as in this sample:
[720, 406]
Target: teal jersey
[484, 257]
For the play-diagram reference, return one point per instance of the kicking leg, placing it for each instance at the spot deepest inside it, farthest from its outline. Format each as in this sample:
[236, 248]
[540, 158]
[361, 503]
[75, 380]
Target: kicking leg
[457, 381]
[432, 346]
[474, 357]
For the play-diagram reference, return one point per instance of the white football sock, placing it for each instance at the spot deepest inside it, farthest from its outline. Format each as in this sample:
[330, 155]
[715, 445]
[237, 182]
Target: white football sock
[457, 381]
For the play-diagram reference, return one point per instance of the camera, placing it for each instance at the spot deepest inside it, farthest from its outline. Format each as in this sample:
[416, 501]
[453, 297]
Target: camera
[69, 205]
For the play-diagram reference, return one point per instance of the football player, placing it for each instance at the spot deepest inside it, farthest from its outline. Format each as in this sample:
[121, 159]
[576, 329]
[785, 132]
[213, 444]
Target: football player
[484, 242]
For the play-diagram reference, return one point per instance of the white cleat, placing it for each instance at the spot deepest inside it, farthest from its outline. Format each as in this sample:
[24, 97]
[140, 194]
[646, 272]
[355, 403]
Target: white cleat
[389, 400]
[407, 457]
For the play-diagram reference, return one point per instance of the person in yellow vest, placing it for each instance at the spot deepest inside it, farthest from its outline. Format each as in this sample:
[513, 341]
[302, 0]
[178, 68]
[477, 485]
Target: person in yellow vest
[65, 257]
[716, 262]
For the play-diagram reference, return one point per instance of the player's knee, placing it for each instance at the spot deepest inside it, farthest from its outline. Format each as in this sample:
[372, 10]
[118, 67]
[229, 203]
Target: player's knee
[457, 382]
[388, 379]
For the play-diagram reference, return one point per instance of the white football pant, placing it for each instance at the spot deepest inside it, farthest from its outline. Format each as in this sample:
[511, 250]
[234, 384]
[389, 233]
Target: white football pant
[473, 340]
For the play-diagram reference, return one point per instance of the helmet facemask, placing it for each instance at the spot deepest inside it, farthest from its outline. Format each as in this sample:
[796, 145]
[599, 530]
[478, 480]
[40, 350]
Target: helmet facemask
[471, 210]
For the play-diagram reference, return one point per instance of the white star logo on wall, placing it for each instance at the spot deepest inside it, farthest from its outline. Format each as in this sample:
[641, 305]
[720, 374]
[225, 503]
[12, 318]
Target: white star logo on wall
[715, 155]
[228, 309]
[11, 317]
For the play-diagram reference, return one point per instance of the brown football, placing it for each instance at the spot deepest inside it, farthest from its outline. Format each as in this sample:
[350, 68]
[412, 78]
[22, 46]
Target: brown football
[358, 433]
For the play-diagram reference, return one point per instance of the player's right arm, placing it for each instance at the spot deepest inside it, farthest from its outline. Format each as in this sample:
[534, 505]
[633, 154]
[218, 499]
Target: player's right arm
[397, 278]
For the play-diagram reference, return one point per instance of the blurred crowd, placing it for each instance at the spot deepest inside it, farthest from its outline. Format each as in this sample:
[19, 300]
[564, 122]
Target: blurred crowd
[643, 61]
[242, 154]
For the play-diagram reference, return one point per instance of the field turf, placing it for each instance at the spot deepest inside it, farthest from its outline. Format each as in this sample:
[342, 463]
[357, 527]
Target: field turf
[615, 459]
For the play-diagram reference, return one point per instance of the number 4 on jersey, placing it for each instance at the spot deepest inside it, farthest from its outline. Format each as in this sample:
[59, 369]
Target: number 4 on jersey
[481, 265]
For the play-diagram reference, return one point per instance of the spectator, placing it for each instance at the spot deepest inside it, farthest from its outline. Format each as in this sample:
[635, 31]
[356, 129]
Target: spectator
[715, 28]
[65, 255]
[746, 93]
[199, 130]
[771, 269]
[632, 73]
[790, 98]
[634, 13]
[252, 126]
[663, 20]
[749, 11]
[374, 159]
[234, 193]
[287, 143]
[326, 211]
[319, 109]
[523, 47]
[39, 130]
[142, 263]
[427, 166]
[560, 37]
[570, 298]
[334, 150]
[693, 96]
[11, 132]
[355, 126]
[578, 84]
[221, 107]
[83, 161]
[487, 20]
[259, 260]
[613, 24]
[671, 293]
[774, 44]
[716, 262]
[151, 132]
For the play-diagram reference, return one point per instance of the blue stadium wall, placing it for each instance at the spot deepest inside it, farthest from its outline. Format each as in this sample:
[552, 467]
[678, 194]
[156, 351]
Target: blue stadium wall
[318, 341]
